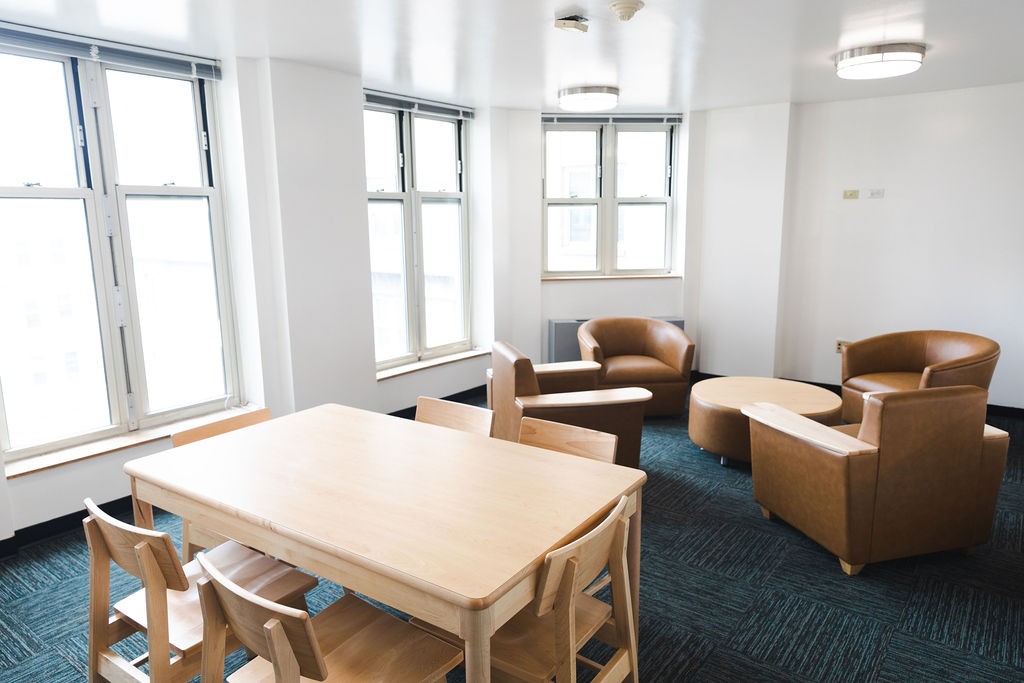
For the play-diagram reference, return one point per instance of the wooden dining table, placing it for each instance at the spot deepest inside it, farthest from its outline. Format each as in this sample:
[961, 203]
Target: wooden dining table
[447, 526]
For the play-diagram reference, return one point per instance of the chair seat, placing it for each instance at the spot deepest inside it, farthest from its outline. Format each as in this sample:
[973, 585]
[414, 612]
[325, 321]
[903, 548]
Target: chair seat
[525, 646]
[632, 370]
[363, 643]
[885, 381]
[265, 576]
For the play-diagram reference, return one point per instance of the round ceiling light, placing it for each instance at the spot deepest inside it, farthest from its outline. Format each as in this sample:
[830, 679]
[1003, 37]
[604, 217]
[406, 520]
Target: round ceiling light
[879, 61]
[588, 98]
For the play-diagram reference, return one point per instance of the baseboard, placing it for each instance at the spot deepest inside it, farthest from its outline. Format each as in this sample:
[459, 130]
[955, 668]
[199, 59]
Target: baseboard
[120, 507]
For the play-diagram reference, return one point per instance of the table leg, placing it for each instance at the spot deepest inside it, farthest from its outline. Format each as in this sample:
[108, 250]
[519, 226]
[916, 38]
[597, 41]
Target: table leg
[477, 636]
[143, 510]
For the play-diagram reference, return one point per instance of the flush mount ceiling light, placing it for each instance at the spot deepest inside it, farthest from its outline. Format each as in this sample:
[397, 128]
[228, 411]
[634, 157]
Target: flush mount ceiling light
[879, 61]
[588, 98]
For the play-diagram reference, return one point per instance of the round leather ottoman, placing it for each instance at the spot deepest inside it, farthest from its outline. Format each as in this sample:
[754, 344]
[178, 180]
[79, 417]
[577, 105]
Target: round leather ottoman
[717, 425]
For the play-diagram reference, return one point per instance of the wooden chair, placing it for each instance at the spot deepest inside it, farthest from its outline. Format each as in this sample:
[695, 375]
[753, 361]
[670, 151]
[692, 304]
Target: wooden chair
[167, 607]
[542, 640]
[194, 538]
[466, 418]
[556, 436]
[350, 640]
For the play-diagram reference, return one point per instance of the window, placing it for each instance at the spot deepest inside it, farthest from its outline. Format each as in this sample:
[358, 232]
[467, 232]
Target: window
[415, 182]
[607, 198]
[114, 308]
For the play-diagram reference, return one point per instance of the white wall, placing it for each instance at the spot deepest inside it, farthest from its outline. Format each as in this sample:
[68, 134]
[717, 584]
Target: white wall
[516, 158]
[743, 176]
[942, 250]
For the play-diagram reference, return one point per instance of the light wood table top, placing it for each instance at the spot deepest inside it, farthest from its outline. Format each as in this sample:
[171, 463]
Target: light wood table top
[736, 392]
[445, 525]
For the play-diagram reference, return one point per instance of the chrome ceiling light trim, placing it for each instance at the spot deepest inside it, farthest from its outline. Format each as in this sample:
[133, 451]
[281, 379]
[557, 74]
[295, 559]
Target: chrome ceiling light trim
[879, 61]
[588, 98]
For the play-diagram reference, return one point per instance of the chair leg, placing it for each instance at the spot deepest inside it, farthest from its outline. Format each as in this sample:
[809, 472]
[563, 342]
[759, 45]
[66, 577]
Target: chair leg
[850, 569]
[766, 513]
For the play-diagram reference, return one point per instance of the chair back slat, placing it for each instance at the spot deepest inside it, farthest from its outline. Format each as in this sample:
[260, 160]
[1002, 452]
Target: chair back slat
[248, 615]
[465, 418]
[591, 553]
[220, 427]
[555, 436]
[121, 539]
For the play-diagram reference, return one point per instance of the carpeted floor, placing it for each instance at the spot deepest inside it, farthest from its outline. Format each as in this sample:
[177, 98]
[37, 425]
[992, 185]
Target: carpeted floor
[725, 594]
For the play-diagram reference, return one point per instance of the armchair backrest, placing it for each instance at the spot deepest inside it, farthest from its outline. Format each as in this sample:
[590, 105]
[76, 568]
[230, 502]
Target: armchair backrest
[512, 376]
[619, 336]
[945, 358]
[930, 444]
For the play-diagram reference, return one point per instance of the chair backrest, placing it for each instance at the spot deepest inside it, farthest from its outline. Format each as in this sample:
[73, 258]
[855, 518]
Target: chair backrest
[626, 335]
[283, 635]
[459, 416]
[220, 427]
[603, 546]
[620, 335]
[930, 447]
[555, 436]
[513, 376]
[961, 357]
[121, 542]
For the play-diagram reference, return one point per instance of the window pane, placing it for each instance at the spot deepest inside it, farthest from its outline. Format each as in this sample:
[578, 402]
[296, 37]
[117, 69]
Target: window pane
[51, 356]
[572, 237]
[571, 163]
[642, 164]
[380, 129]
[442, 272]
[437, 149]
[387, 270]
[641, 238]
[176, 288]
[155, 133]
[36, 144]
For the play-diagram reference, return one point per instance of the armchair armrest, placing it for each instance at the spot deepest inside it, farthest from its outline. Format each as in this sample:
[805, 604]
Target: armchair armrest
[806, 429]
[578, 399]
[976, 369]
[590, 349]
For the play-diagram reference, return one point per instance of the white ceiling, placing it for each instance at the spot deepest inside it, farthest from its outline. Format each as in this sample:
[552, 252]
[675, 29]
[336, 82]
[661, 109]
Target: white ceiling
[674, 56]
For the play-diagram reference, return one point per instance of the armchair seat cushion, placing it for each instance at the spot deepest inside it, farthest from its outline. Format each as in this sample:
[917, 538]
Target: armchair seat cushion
[638, 370]
[885, 381]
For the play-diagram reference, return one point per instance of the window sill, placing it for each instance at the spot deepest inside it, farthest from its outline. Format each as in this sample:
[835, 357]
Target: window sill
[46, 461]
[431, 363]
[656, 276]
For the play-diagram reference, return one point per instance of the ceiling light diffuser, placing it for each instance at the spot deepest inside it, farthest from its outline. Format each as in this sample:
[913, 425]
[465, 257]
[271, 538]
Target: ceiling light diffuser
[879, 61]
[588, 98]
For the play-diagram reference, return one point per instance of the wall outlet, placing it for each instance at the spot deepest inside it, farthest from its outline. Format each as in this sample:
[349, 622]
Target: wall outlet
[851, 194]
[841, 344]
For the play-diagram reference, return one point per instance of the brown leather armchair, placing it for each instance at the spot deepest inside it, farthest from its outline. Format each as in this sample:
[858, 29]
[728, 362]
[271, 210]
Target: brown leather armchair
[921, 474]
[914, 360]
[641, 352]
[516, 393]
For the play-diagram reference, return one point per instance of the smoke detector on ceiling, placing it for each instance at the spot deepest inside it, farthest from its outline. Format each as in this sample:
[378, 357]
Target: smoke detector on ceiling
[625, 9]
[573, 22]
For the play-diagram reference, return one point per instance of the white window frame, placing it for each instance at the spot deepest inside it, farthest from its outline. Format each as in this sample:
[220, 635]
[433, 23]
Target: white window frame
[412, 201]
[106, 221]
[607, 202]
